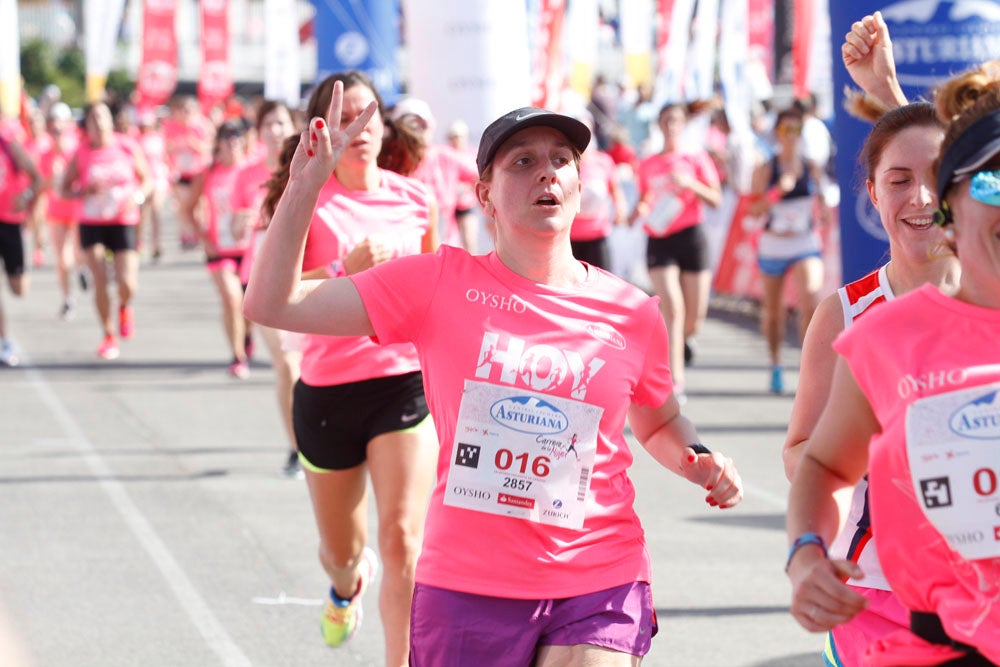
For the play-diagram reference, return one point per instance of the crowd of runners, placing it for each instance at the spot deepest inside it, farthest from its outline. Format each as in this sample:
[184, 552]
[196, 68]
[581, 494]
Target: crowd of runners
[443, 323]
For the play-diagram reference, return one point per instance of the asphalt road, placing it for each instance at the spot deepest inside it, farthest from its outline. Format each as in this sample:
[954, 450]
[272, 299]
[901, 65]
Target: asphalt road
[144, 519]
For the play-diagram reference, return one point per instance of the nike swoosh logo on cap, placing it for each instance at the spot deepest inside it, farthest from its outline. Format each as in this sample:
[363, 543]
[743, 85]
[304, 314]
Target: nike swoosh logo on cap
[520, 117]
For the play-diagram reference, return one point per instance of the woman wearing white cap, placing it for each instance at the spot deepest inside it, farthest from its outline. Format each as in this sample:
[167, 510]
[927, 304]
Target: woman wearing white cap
[532, 363]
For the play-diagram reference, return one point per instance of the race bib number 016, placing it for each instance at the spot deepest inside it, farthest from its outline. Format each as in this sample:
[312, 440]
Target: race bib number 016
[953, 445]
[523, 454]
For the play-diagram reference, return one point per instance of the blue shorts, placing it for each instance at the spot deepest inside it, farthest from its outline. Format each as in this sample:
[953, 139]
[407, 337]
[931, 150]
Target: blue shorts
[779, 267]
[452, 629]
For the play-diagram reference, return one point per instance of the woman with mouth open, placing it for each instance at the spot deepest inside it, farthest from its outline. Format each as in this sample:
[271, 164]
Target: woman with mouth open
[529, 558]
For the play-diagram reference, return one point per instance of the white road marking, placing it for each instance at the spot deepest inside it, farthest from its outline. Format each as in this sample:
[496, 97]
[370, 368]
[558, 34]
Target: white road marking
[191, 601]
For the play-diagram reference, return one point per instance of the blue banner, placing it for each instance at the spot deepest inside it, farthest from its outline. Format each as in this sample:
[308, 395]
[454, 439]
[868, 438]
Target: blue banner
[361, 35]
[930, 42]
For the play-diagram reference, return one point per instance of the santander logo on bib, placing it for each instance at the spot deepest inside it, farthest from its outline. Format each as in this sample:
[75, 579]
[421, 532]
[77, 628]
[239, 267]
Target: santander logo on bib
[979, 418]
[528, 414]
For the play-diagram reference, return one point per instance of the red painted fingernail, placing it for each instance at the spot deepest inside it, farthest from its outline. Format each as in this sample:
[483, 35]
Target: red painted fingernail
[320, 124]
[712, 502]
[310, 152]
[709, 487]
[691, 458]
[314, 138]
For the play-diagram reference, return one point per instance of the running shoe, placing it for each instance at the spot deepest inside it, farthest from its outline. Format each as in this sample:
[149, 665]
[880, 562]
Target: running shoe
[67, 311]
[239, 369]
[248, 346]
[777, 385]
[8, 355]
[292, 467]
[108, 348]
[126, 322]
[689, 348]
[38, 258]
[342, 618]
[84, 281]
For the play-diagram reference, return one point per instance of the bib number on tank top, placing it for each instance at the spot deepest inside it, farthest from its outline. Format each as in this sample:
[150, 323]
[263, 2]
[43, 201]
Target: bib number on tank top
[953, 445]
[522, 454]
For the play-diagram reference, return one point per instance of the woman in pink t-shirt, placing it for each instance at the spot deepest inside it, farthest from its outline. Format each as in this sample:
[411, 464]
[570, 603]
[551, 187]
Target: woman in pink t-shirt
[209, 213]
[674, 187]
[188, 135]
[274, 126]
[602, 204]
[915, 403]
[154, 148]
[20, 184]
[109, 175]
[359, 408]
[533, 361]
[62, 213]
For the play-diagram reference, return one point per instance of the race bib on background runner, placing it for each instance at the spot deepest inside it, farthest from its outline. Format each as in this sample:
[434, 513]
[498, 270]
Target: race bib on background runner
[523, 454]
[953, 444]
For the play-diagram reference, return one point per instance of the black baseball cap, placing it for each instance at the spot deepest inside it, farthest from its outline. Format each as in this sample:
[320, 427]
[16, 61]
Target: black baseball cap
[514, 121]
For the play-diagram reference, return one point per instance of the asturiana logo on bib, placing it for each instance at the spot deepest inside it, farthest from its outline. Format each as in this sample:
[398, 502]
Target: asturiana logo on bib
[978, 419]
[528, 414]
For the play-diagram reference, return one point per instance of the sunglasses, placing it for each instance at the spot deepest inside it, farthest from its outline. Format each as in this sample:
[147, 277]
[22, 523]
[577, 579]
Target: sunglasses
[789, 129]
[984, 187]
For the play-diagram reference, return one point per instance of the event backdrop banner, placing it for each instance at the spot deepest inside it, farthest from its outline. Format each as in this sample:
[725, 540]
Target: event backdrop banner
[468, 59]
[931, 41]
[362, 36]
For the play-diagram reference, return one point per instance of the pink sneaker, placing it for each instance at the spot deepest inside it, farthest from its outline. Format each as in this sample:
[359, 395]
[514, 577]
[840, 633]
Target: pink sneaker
[126, 322]
[108, 348]
[239, 369]
[38, 258]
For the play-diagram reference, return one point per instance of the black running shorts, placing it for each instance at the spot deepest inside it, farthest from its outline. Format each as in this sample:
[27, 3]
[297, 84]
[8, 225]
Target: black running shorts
[333, 425]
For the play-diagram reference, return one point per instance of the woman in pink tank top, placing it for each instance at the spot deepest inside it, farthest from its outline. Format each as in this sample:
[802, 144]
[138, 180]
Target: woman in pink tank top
[914, 403]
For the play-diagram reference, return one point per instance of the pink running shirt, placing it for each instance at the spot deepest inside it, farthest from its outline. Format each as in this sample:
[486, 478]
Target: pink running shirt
[930, 368]
[111, 169]
[187, 147]
[396, 213]
[248, 195]
[654, 178]
[13, 181]
[597, 177]
[602, 344]
[217, 192]
[154, 148]
[446, 172]
[53, 168]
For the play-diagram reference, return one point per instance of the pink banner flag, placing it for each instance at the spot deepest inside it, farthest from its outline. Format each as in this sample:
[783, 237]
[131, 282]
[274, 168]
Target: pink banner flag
[158, 71]
[548, 72]
[215, 83]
